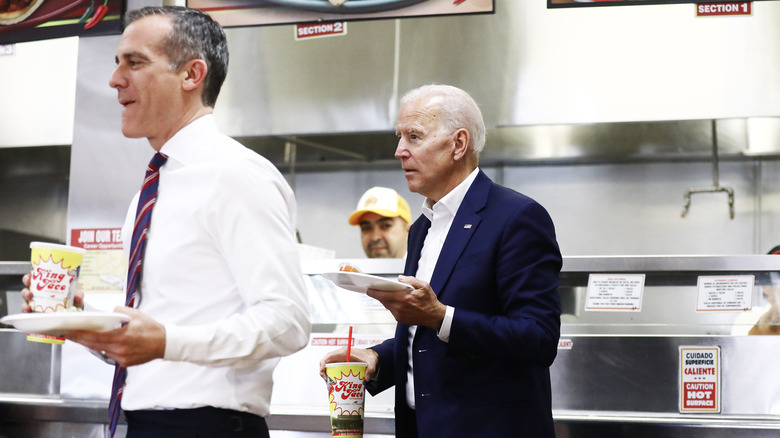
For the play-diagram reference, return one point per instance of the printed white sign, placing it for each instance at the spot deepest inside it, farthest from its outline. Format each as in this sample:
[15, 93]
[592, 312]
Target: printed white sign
[725, 293]
[699, 379]
[615, 292]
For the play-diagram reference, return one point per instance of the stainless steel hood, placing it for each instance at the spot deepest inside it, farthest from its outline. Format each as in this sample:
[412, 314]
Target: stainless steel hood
[689, 140]
[551, 72]
[563, 84]
[579, 85]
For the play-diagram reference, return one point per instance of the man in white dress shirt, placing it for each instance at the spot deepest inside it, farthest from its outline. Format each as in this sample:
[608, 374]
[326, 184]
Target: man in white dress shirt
[221, 296]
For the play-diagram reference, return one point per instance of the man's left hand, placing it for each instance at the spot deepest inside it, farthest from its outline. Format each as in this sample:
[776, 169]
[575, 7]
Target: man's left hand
[140, 340]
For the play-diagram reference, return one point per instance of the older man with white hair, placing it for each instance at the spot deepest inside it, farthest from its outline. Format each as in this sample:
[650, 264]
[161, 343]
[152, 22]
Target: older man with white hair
[477, 335]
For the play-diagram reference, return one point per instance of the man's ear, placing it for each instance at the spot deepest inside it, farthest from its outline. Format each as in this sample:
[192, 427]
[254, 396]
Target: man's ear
[193, 74]
[460, 147]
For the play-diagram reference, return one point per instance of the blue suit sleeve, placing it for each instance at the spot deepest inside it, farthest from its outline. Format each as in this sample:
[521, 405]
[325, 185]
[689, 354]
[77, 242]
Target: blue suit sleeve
[386, 376]
[520, 275]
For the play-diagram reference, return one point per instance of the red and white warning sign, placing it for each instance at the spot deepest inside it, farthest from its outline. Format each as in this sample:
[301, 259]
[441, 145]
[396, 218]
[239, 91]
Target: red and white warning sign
[700, 379]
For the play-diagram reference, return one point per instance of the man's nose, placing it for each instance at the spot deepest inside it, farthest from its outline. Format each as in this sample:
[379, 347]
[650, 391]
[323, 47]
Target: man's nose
[115, 81]
[401, 151]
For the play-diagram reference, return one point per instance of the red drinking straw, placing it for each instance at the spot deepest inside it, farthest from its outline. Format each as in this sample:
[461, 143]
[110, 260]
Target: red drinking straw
[349, 344]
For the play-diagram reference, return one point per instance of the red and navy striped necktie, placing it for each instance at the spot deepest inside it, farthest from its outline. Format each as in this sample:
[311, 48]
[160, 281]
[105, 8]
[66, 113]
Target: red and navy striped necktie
[143, 216]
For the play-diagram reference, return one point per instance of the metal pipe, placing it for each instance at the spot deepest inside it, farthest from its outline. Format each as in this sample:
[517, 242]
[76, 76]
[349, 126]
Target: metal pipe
[715, 180]
[715, 160]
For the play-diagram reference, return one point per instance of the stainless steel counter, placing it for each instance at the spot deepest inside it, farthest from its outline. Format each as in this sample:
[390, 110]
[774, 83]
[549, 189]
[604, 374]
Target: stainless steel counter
[617, 376]
[23, 416]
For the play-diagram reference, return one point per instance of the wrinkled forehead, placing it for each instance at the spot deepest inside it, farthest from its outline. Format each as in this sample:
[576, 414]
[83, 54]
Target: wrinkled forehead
[422, 112]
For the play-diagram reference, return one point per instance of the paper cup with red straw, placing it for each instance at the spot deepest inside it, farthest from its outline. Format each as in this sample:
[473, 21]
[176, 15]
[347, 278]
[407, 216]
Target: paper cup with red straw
[346, 392]
[349, 344]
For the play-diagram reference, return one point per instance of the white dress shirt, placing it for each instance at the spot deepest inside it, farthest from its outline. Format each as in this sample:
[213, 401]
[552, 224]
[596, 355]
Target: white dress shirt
[441, 214]
[221, 273]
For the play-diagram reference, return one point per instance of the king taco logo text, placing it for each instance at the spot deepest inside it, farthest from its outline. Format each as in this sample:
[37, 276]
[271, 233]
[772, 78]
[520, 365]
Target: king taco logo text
[50, 277]
[347, 390]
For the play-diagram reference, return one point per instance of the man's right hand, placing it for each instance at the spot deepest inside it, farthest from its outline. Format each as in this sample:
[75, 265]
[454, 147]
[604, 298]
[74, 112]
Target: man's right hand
[78, 298]
[368, 356]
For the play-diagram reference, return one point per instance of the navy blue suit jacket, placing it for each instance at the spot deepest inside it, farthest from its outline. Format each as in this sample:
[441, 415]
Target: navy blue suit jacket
[499, 269]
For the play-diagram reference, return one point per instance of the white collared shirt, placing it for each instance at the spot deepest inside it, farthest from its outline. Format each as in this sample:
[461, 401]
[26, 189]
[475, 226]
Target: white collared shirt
[441, 214]
[221, 273]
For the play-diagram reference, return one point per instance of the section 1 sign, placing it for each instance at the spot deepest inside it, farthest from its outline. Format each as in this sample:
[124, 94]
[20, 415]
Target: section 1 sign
[727, 8]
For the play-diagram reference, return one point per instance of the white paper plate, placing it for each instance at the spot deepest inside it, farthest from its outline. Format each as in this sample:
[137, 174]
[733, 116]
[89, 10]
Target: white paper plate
[359, 282]
[57, 323]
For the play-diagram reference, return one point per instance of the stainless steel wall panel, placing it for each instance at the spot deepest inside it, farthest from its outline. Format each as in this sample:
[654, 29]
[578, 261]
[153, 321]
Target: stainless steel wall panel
[525, 65]
[612, 188]
[27, 366]
[635, 208]
[641, 374]
[26, 429]
[277, 85]
[106, 168]
[35, 206]
[528, 65]
[484, 54]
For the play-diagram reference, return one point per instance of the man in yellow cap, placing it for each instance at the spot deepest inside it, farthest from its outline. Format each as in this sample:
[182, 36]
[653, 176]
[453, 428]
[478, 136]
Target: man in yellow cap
[384, 219]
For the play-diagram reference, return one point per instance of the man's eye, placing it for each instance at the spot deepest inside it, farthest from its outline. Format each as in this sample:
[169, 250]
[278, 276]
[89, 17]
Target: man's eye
[134, 62]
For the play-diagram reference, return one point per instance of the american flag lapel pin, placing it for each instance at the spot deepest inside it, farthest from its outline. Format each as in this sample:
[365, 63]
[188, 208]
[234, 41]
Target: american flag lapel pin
[467, 226]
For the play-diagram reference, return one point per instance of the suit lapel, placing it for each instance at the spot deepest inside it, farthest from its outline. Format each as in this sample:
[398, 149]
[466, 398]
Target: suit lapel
[417, 234]
[465, 223]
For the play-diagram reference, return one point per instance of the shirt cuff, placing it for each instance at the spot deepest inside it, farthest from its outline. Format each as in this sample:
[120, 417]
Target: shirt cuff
[446, 325]
[179, 342]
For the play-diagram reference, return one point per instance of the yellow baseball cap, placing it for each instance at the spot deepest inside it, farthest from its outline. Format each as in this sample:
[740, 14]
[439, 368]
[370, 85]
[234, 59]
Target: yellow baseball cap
[382, 201]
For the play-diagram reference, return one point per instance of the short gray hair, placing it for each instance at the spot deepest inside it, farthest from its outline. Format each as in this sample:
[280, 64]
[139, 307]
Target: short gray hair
[458, 110]
[195, 35]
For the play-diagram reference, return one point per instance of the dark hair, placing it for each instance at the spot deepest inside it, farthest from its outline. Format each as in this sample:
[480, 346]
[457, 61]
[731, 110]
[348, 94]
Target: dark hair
[195, 35]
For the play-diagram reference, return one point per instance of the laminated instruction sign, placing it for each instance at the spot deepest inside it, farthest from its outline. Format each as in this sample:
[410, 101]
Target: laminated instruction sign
[615, 292]
[700, 379]
[732, 292]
